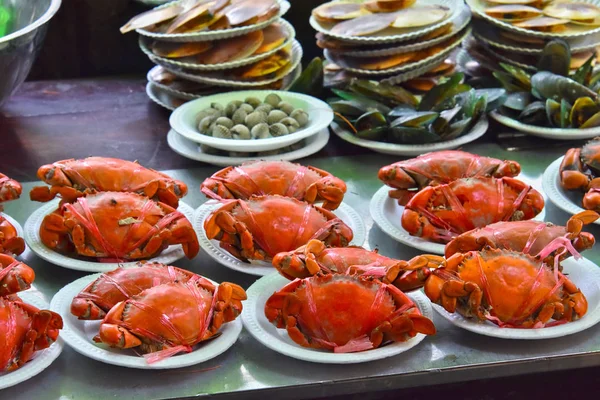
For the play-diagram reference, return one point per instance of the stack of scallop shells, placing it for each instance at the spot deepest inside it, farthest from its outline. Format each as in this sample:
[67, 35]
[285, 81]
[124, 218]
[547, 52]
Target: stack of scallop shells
[516, 31]
[396, 41]
[203, 47]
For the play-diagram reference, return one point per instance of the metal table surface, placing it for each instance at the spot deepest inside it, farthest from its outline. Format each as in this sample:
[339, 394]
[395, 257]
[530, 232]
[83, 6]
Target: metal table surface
[252, 370]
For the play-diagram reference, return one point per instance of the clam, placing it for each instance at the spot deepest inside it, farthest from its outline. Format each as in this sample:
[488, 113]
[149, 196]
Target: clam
[224, 121]
[272, 99]
[207, 112]
[420, 16]
[388, 5]
[290, 123]
[153, 17]
[513, 12]
[274, 35]
[264, 107]
[364, 25]
[285, 107]
[338, 11]
[260, 131]
[267, 66]
[275, 116]
[246, 107]
[573, 11]
[232, 49]
[218, 107]
[239, 116]
[300, 116]
[221, 132]
[241, 132]
[246, 12]
[543, 24]
[278, 129]
[253, 101]
[232, 107]
[255, 118]
[205, 125]
[179, 50]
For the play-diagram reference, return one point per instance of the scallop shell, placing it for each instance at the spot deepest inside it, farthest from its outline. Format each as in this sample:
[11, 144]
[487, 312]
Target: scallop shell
[573, 11]
[273, 100]
[301, 116]
[278, 129]
[338, 11]
[241, 132]
[264, 107]
[255, 118]
[286, 107]
[246, 107]
[291, 124]
[221, 132]
[276, 116]
[417, 16]
[513, 12]
[253, 101]
[205, 124]
[224, 121]
[260, 131]
[364, 25]
[239, 116]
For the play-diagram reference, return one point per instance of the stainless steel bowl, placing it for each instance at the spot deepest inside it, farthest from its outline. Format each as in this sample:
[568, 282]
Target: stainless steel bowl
[25, 35]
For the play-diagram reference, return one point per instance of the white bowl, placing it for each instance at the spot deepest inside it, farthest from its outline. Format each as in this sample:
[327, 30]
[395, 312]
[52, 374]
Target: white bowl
[183, 120]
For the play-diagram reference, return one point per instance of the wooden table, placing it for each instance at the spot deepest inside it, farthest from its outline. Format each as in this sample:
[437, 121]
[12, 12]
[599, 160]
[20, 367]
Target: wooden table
[53, 120]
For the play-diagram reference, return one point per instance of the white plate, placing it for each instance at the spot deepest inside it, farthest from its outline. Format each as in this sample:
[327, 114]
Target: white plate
[567, 200]
[478, 7]
[189, 149]
[218, 79]
[460, 21]
[278, 340]
[176, 63]
[415, 73]
[261, 268]
[32, 238]
[217, 34]
[183, 120]
[392, 35]
[407, 66]
[14, 223]
[584, 273]
[41, 359]
[163, 98]
[78, 334]
[411, 149]
[387, 214]
[548, 133]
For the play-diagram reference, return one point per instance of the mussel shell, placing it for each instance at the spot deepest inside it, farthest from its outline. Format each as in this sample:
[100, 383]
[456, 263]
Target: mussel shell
[384, 93]
[370, 120]
[584, 74]
[376, 134]
[440, 92]
[583, 109]
[367, 102]
[441, 125]
[407, 135]
[517, 101]
[495, 97]
[546, 85]
[364, 25]
[555, 58]
[553, 112]
[534, 114]
[416, 119]
[513, 12]
[458, 128]
[565, 111]
[520, 75]
[348, 108]
[592, 122]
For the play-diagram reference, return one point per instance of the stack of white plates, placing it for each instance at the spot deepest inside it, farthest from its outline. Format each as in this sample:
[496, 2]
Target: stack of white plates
[185, 137]
[395, 55]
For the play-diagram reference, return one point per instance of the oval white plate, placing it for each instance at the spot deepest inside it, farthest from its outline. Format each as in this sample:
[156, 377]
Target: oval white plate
[584, 273]
[218, 80]
[170, 101]
[41, 359]
[261, 268]
[411, 149]
[478, 7]
[563, 199]
[392, 35]
[189, 149]
[183, 120]
[460, 21]
[278, 340]
[14, 223]
[217, 34]
[548, 133]
[387, 214]
[79, 335]
[143, 43]
[32, 238]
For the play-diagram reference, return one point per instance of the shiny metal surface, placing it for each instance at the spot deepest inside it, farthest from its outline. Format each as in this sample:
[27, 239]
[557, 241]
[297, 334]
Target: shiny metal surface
[252, 369]
[26, 32]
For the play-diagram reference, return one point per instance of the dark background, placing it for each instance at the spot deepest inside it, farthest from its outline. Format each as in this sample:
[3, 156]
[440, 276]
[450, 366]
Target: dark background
[83, 39]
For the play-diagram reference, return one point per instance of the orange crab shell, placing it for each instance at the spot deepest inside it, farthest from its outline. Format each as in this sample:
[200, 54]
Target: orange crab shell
[580, 170]
[15, 276]
[10, 242]
[9, 189]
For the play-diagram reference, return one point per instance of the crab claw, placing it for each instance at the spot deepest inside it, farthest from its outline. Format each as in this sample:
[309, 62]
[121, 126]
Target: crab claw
[329, 188]
[116, 336]
[86, 309]
[591, 200]
[300, 263]
[395, 176]
[215, 189]
[14, 276]
[508, 168]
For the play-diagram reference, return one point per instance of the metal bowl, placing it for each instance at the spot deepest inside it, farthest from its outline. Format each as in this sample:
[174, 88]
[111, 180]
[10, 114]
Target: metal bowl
[19, 47]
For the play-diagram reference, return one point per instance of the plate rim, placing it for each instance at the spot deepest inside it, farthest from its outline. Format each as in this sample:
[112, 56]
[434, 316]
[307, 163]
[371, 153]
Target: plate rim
[548, 133]
[13, 222]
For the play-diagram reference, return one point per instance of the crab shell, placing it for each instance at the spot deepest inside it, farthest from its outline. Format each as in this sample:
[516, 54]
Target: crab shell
[440, 167]
[108, 289]
[580, 170]
[284, 178]
[15, 276]
[529, 237]
[24, 329]
[171, 317]
[259, 228]
[74, 178]
[9, 189]
[117, 225]
[440, 213]
[345, 313]
[315, 257]
[506, 287]
[10, 242]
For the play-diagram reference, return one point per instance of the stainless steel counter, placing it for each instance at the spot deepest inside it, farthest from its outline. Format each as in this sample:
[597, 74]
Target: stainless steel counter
[252, 369]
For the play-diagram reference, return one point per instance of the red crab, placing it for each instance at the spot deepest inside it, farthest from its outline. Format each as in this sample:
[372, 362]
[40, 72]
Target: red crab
[14, 276]
[258, 178]
[24, 329]
[10, 242]
[440, 167]
[117, 225]
[508, 288]
[101, 295]
[172, 317]
[259, 228]
[580, 170]
[9, 189]
[74, 178]
[528, 237]
[345, 313]
[440, 213]
[315, 257]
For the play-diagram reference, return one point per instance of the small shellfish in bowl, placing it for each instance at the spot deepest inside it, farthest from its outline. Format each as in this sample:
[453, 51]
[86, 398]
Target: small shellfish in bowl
[252, 120]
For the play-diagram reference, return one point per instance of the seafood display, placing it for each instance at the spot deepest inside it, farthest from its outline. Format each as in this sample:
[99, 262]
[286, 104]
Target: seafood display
[440, 213]
[345, 313]
[118, 226]
[9, 189]
[24, 329]
[259, 178]
[580, 170]
[261, 227]
[10, 242]
[252, 118]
